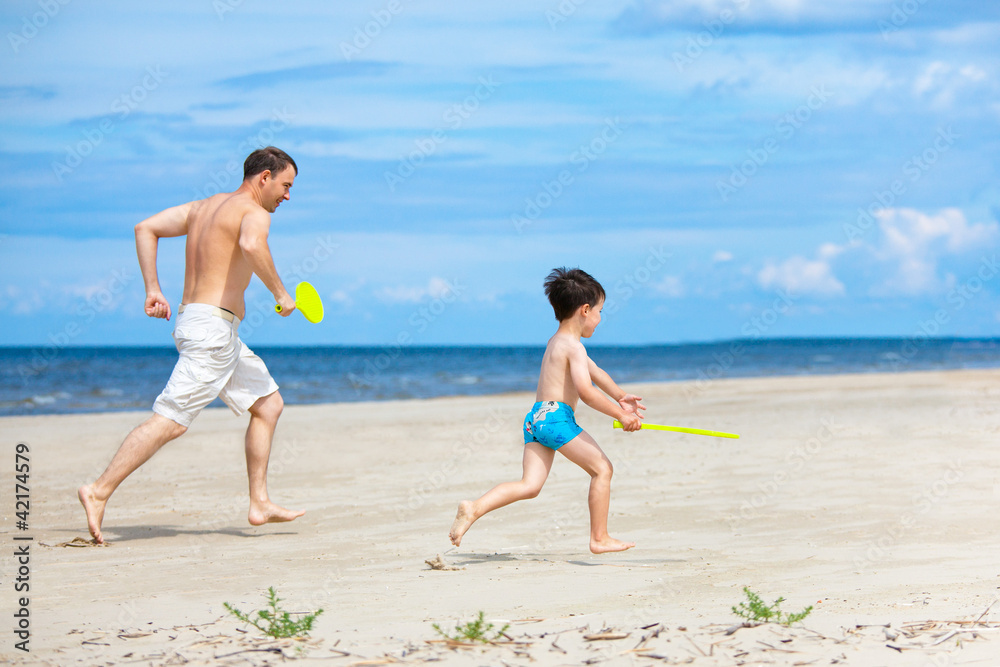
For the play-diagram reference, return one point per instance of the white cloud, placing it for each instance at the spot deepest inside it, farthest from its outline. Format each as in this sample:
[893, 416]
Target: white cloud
[722, 256]
[800, 276]
[914, 242]
[671, 286]
[940, 82]
[436, 288]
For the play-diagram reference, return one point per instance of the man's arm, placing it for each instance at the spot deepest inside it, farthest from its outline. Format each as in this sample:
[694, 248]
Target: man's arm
[579, 370]
[165, 224]
[253, 242]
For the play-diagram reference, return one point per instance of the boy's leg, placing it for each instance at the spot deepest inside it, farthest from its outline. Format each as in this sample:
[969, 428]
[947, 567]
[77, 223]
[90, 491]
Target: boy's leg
[536, 463]
[144, 441]
[584, 451]
[264, 415]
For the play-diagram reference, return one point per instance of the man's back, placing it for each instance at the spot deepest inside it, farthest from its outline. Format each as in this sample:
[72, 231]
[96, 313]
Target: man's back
[216, 272]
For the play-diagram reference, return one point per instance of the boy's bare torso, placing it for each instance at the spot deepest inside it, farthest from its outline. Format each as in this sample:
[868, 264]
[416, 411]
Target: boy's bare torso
[555, 382]
[216, 271]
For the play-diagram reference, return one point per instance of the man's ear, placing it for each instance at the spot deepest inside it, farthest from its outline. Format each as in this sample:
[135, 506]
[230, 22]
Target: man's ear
[264, 176]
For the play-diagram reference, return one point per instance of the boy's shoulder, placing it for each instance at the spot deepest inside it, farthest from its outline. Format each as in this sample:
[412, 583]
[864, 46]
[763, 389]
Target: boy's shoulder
[564, 345]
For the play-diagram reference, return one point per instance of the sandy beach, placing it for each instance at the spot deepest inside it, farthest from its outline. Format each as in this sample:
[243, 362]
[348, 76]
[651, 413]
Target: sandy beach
[873, 498]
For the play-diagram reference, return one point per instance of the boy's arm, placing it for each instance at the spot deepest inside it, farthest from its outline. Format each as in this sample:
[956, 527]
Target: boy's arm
[165, 224]
[579, 370]
[628, 402]
[253, 243]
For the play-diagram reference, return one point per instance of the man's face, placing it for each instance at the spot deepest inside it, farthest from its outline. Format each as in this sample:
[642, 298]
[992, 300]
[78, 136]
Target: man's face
[276, 188]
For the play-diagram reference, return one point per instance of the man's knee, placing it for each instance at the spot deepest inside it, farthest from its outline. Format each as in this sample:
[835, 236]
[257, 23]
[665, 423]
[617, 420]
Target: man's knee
[165, 426]
[269, 407]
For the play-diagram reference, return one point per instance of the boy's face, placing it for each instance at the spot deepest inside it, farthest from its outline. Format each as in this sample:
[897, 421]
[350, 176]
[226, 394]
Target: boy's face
[592, 316]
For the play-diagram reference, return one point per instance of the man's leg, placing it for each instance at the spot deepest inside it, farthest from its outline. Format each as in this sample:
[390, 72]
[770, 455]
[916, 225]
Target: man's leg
[535, 466]
[144, 441]
[264, 415]
[584, 451]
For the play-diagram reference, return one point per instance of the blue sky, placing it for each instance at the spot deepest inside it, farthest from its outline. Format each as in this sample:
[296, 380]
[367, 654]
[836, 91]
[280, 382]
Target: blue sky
[726, 168]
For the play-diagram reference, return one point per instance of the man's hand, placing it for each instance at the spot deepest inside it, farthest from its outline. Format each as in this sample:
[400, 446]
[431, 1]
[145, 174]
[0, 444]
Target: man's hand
[157, 306]
[287, 304]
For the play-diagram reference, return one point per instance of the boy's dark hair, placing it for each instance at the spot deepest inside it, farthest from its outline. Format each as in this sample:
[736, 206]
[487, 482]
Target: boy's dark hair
[568, 289]
[267, 159]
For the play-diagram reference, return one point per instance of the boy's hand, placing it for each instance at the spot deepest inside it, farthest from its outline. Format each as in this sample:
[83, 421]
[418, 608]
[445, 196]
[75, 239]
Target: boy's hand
[630, 403]
[630, 422]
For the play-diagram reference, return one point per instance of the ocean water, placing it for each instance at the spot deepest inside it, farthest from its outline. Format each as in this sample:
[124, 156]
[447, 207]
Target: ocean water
[53, 380]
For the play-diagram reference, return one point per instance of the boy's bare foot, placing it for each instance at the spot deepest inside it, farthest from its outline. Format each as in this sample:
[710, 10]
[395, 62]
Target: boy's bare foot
[463, 520]
[261, 513]
[609, 544]
[95, 511]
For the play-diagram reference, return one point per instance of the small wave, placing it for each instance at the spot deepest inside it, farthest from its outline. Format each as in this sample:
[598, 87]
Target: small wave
[47, 399]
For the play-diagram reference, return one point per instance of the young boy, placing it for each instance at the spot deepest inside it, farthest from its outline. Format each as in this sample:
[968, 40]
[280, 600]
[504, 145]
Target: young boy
[567, 375]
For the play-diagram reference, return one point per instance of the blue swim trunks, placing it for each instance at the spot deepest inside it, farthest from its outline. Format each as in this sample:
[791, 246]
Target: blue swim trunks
[551, 424]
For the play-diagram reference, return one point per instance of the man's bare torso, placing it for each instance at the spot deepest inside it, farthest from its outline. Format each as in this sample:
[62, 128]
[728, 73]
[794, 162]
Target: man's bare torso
[216, 271]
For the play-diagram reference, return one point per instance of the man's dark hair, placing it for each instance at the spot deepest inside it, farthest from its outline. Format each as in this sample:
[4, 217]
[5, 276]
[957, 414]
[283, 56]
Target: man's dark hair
[267, 159]
[568, 289]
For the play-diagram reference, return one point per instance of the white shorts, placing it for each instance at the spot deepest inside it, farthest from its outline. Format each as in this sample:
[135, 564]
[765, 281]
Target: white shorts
[214, 362]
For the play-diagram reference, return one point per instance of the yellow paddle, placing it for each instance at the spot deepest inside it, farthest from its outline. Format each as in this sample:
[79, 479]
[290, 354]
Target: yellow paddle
[681, 429]
[307, 302]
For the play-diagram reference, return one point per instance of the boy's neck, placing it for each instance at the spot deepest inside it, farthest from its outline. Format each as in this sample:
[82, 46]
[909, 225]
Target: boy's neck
[571, 327]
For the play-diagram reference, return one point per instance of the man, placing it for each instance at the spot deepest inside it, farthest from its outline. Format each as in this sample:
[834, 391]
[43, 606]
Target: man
[226, 245]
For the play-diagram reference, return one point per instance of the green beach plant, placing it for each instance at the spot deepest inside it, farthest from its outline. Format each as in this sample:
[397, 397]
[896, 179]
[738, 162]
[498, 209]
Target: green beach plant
[755, 610]
[473, 631]
[275, 621]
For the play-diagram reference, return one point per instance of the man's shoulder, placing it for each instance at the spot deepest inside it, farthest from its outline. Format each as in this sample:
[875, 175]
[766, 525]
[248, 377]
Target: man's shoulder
[232, 207]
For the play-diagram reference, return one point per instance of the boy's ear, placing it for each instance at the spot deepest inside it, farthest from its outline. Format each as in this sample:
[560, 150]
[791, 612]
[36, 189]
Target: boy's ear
[584, 310]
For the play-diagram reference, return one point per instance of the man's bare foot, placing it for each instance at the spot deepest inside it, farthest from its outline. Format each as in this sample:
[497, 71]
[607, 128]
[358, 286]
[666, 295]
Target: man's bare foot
[609, 544]
[463, 520]
[261, 513]
[95, 511]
